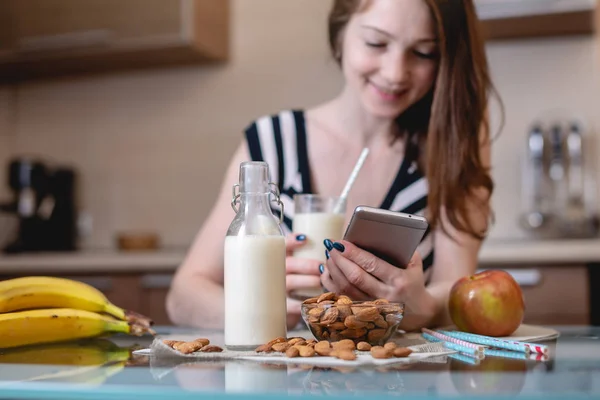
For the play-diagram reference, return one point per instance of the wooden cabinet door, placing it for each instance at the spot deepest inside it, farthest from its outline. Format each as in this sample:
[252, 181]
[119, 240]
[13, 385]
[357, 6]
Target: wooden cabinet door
[65, 37]
[554, 295]
[54, 25]
[7, 30]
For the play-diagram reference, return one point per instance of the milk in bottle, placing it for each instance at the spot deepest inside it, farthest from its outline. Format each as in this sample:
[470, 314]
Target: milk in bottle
[255, 293]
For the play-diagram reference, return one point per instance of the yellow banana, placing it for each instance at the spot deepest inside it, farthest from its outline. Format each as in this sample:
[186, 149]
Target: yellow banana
[79, 353]
[56, 325]
[35, 292]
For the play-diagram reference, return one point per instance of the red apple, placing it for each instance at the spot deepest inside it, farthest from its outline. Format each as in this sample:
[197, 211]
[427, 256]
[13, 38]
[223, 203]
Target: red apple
[488, 303]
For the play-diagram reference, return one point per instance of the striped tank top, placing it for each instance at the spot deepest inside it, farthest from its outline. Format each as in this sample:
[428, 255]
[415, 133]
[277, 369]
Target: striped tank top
[280, 141]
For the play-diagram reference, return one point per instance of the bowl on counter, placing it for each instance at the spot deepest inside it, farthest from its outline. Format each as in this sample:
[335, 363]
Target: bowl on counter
[338, 317]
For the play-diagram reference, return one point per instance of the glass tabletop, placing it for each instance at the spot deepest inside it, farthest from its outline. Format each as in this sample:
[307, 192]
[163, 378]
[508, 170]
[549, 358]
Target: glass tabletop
[106, 369]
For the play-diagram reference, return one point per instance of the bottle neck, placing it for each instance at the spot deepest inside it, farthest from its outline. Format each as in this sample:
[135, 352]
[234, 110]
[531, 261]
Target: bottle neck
[254, 203]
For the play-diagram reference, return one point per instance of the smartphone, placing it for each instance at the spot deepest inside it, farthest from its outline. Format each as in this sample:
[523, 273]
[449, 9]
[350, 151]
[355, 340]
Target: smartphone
[389, 235]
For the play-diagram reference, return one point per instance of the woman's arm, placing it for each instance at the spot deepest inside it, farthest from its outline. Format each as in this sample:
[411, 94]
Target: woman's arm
[455, 259]
[196, 296]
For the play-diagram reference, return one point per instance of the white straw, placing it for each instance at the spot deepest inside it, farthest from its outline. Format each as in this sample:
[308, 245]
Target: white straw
[352, 178]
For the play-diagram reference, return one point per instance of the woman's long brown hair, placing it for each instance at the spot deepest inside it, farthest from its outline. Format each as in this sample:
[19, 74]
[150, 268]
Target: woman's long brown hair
[448, 125]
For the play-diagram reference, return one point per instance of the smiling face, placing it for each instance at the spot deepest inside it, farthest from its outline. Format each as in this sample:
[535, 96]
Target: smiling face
[390, 55]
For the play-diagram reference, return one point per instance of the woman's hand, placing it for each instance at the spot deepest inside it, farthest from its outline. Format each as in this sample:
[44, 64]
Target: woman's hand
[363, 276]
[301, 273]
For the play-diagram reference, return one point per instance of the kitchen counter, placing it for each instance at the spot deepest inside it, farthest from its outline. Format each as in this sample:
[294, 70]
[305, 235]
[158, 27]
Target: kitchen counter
[572, 371]
[526, 252]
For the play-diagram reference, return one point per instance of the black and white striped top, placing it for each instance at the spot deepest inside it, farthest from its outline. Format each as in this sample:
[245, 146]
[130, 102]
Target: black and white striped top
[280, 141]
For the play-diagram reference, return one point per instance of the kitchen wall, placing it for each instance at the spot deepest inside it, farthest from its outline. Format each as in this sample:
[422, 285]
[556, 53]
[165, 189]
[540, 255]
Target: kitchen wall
[545, 79]
[151, 147]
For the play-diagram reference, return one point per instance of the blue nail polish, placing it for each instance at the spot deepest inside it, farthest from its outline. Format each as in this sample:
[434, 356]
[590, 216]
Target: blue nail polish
[301, 238]
[339, 247]
[321, 268]
[327, 254]
[328, 244]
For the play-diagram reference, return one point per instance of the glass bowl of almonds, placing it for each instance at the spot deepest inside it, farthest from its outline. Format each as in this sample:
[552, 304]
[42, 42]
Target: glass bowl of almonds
[333, 318]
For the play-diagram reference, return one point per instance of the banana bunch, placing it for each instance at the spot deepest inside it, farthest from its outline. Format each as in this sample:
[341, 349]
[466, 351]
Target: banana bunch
[36, 310]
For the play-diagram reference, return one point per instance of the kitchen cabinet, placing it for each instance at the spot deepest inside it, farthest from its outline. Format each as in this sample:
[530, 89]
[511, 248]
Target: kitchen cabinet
[554, 295]
[42, 38]
[515, 19]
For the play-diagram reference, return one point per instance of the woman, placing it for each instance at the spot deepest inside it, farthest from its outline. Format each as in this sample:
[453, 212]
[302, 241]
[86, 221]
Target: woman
[416, 92]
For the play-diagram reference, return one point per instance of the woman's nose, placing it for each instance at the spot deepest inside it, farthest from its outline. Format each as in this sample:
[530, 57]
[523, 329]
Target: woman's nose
[395, 69]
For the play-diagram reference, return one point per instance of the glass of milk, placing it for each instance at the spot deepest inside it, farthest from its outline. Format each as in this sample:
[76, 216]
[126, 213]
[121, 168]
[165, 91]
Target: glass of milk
[318, 217]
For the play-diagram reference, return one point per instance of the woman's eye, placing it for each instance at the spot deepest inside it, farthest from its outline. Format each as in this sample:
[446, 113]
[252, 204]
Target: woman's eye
[376, 45]
[428, 56]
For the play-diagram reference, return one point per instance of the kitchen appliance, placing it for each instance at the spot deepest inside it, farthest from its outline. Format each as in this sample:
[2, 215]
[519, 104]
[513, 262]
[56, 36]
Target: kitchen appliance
[43, 201]
[558, 191]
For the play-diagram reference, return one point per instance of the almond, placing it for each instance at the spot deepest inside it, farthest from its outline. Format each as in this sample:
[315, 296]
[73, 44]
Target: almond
[376, 335]
[380, 352]
[402, 352]
[347, 355]
[264, 348]
[381, 301]
[363, 346]
[390, 345]
[353, 333]
[330, 316]
[323, 348]
[344, 312]
[315, 312]
[188, 347]
[326, 296]
[312, 300]
[292, 352]
[337, 326]
[353, 323]
[277, 340]
[366, 314]
[345, 344]
[281, 347]
[172, 343]
[204, 341]
[211, 349]
[295, 340]
[343, 300]
[313, 341]
[317, 330]
[370, 326]
[380, 322]
[306, 351]
[326, 302]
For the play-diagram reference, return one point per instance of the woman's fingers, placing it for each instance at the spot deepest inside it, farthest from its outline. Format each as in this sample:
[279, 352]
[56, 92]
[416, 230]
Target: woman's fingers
[358, 277]
[335, 281]
[295, 282]
[367, 262]
[302, 266]
[294, 241]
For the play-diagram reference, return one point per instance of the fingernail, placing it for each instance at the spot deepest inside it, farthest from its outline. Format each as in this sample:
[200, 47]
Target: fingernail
[327, 254]
[321, 268]
[328, 244]
[339, 247]
[301, 238]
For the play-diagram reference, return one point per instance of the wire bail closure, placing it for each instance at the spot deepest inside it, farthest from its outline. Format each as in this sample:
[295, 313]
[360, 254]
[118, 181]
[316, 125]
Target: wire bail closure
[235, 199]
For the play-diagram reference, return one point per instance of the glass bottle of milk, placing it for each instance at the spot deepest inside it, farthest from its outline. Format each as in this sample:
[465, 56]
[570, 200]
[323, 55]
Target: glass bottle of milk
[255, 293]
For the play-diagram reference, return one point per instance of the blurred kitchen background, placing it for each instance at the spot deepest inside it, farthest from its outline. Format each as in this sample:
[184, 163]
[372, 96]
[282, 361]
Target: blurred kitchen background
[117, 119]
